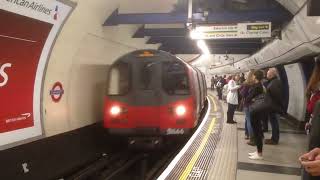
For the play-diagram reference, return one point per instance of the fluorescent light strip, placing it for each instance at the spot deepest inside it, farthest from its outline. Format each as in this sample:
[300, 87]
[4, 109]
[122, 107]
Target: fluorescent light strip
[174, 162]
[195, 34]
[203, 46]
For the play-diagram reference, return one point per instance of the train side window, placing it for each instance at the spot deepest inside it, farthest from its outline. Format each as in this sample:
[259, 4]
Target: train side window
[119, 82]
[175, 79]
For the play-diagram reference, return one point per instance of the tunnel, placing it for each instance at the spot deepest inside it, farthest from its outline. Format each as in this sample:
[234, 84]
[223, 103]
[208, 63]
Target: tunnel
[138, 89]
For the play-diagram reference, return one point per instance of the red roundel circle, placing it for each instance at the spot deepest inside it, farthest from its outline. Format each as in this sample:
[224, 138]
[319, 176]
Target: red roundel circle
[56, 92]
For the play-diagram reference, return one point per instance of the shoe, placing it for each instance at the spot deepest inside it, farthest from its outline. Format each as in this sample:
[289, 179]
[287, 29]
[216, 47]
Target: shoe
[231, 122]
[253, 153]
[246, 137]
[270, 142]
[251, 143]
[256, 157]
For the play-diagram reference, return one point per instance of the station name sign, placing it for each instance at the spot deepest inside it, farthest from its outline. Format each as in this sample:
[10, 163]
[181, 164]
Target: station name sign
[231, 31]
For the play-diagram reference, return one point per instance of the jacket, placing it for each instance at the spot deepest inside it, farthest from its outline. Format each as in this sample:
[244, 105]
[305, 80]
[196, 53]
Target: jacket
[232, 97]
[274, 96]
[221, 82]
[244, 92]
[314, 140]
[253, 92]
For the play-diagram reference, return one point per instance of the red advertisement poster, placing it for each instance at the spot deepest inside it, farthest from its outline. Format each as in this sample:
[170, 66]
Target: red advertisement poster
[21, 42]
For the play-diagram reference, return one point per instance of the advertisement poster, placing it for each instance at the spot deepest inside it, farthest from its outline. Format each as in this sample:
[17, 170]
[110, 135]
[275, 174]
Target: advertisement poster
[27, 34]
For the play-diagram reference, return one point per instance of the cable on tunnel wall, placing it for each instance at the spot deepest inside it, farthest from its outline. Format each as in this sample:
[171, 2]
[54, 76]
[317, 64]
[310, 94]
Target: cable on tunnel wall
[305, 3]
[293, 48]
[113, 41]
[271, 58]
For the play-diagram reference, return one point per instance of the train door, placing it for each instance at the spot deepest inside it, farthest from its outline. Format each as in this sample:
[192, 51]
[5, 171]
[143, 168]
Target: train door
[197, 91]
[147, 96]
[201, 88]
[205, 86]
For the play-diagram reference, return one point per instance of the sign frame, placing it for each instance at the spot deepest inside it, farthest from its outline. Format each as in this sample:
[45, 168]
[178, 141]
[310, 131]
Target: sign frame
[232, 31]
[21, 136]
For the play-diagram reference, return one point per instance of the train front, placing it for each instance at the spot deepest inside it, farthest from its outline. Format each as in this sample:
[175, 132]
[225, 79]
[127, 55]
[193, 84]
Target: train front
[149, 95]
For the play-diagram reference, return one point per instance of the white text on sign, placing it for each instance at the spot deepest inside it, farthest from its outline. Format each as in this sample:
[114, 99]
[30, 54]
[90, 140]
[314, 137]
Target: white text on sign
[3, 74]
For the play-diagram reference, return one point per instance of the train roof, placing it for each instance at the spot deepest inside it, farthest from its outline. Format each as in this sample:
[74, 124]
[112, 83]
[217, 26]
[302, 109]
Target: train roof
[157, 55]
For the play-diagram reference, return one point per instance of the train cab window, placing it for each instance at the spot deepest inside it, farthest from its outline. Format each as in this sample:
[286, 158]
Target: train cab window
[119, 79]
[175, 79]
[146, 71]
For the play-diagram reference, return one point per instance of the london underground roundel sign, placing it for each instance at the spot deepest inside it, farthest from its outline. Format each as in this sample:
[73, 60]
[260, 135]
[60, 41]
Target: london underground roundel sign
[56, 92]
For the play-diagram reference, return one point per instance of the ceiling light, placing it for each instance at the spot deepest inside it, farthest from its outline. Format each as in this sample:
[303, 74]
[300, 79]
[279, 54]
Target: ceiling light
[203, 47]
[240, 1]
[195, 34]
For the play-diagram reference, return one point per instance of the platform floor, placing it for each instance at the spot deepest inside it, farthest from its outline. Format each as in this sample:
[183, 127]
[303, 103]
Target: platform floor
[280, 161]
[225, 157]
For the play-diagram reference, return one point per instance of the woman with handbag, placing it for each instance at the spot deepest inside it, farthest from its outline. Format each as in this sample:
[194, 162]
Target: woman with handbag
[245, 93]
[313, 126]
[313, 93]
[256, 110]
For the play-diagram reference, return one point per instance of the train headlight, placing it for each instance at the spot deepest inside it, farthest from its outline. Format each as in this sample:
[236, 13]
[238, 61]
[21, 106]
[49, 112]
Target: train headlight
[181, 110]
[115, 110]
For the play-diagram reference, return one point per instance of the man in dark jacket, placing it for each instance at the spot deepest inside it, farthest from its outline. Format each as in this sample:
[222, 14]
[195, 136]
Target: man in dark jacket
[275, 102]
[213, 81]
[220, 83]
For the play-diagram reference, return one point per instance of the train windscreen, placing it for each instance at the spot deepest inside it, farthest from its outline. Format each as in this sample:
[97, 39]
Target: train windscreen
[119, 81]
[146, 75]
[175, 79]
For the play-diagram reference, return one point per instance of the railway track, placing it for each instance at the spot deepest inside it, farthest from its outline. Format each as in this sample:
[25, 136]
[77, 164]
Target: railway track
[129, 164]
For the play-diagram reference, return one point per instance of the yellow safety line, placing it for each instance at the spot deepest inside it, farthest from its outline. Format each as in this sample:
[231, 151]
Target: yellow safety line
[214, 103]
[195, 157]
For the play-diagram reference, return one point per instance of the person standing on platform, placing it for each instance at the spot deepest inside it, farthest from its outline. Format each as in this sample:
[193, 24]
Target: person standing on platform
[232, 98]
[257, 113]
[244, 93]
[219, 85]
[242, 78]
[313, 92]
[240, 97]
[265, 120]
[212, 82]
[311, 161]
[274, 99]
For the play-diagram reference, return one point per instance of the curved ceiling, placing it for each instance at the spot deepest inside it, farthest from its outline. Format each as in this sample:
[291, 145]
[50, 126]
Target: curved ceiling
[176, 39]
[169, 30]
[300, 38]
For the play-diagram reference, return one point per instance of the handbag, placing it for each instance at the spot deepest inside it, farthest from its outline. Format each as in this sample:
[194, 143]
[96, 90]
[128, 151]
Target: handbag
[258, 104]
[314, 140]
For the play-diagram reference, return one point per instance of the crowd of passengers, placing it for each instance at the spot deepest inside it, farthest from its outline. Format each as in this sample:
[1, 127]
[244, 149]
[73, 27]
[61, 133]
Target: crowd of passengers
[260, 94]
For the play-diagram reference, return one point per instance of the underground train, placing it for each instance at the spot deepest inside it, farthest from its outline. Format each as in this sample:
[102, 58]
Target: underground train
[153, 93]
